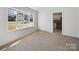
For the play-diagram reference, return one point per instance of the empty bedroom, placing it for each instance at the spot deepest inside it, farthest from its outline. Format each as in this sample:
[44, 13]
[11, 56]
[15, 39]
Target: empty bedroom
[39, 28]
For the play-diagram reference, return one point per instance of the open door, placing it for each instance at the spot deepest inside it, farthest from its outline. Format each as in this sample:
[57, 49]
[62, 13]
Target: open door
[57, 22]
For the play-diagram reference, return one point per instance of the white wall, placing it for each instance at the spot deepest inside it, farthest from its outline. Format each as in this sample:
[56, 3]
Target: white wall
[6, 36]
[70, 22]
[78, 22]
[69, 19]
[44, 18]
[44, 21]
[78, 28]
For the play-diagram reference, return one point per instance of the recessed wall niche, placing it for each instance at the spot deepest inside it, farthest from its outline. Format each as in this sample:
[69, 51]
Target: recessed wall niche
[19, 19]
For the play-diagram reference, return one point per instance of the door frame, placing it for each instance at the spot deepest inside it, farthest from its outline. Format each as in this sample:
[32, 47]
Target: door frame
[62, 21]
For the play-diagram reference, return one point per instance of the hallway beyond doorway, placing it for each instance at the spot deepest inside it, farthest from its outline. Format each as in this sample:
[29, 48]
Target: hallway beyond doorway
[57, 22]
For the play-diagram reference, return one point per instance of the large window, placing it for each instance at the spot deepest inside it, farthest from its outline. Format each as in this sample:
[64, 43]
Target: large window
[18, 19]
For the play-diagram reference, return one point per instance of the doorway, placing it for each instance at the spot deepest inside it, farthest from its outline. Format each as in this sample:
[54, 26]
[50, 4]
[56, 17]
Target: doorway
[57, 22]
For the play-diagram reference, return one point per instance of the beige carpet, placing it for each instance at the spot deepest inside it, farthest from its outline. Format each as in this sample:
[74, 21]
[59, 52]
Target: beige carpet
[43, 41]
